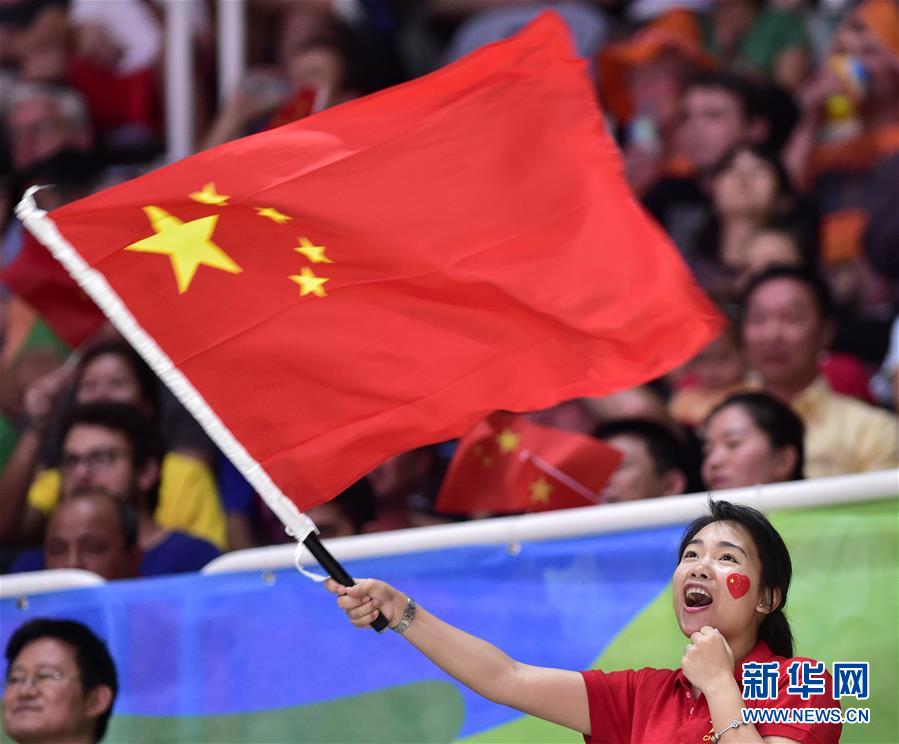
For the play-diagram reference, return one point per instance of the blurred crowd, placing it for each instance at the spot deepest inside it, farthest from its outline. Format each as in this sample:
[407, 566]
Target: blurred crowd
[762, 135]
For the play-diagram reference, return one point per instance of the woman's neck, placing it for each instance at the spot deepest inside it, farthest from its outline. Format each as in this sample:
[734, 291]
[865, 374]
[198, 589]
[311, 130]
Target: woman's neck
[735, 233]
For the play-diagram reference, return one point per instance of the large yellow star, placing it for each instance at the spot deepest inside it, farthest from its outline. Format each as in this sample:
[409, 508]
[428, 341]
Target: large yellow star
[309, 282]
[540, 491]
[187, 244]
[508, 441]
[208, 195]
[315, 253]
[273, 214]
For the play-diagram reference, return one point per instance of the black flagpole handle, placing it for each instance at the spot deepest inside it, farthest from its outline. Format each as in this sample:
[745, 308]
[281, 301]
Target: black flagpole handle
[337, 572]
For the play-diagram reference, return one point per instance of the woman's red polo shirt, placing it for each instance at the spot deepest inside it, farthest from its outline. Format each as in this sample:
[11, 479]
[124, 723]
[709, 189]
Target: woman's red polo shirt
[657, 705]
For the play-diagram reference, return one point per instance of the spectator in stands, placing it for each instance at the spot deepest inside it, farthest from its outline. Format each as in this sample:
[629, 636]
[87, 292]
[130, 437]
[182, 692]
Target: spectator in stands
[61, 683]
[348, 513]
[849, 126]
[33, 38]
[749, 190]
[111, 448]
[94, 532]
[654, 462]
[642, 402]
[886, 382]
[571, 415]
[787, 323]
[765, 39]
[405, 487]
[720, 112]
[188, 497]
[116, 48]
[42, 120]
[716, 372]
[752, 438]
[641, 82]
[323, 71]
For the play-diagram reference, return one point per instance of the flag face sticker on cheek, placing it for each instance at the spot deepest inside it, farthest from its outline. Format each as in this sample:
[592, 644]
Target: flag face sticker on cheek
[737, 585]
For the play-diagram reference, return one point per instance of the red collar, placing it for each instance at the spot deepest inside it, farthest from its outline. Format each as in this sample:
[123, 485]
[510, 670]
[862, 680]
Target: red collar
[759, 653]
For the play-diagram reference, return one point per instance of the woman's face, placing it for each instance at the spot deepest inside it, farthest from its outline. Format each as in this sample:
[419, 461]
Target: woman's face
[747, 187]
[737, 453]
[718, 583]
[108, 378]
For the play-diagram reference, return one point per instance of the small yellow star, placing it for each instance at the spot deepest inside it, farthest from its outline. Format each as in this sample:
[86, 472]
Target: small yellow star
[273, 214]
[315, 253]
[487, 461]
[540, 491]
[508, 441]
[309, 282]
[208, 195]
[187, 244]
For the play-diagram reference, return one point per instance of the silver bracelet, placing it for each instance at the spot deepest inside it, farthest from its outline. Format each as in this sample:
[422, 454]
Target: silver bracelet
[408, 616]
[733, 724]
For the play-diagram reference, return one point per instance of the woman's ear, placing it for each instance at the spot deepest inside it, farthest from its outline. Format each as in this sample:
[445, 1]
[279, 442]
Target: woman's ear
[769, 601]
[785, 459]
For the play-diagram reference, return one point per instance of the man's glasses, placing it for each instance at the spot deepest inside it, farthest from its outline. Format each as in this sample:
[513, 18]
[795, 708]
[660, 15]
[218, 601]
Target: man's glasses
[38, 679]
[93, 459]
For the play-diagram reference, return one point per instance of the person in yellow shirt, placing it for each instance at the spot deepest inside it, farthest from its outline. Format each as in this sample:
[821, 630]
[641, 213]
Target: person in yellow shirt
[787, 322]
[110, 371]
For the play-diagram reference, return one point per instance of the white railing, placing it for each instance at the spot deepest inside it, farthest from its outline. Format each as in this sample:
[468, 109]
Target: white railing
[590, 520]
[38, 582]
[179, 66]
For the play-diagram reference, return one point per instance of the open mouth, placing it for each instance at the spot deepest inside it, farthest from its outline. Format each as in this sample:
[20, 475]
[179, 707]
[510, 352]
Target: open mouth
[696, 597]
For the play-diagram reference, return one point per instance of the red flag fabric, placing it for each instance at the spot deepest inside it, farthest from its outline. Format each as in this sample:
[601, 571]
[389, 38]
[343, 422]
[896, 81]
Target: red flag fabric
[40, 280]
[385, 273]
[506, 464]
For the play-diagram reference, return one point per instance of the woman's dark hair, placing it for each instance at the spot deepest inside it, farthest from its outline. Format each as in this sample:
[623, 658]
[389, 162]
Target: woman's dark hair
[146, 378]
[777, 568]
[95, 664]
[777, 421]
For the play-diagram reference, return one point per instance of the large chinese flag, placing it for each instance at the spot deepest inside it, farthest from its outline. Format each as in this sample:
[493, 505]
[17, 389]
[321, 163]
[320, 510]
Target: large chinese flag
[508, 464]
[386, 273]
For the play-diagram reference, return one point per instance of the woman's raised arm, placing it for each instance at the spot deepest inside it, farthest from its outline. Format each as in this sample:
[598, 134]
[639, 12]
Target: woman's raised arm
[555, 695]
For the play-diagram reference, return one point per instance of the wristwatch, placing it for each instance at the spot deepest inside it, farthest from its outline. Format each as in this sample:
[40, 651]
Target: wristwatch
[408, 616]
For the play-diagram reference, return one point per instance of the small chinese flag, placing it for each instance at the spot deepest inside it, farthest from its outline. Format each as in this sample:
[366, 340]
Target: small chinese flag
[385, 273]
[38, 279]
[507, 464]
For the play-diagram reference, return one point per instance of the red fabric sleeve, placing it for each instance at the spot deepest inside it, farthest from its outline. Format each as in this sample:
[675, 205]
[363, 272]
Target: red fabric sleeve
[610, 696]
